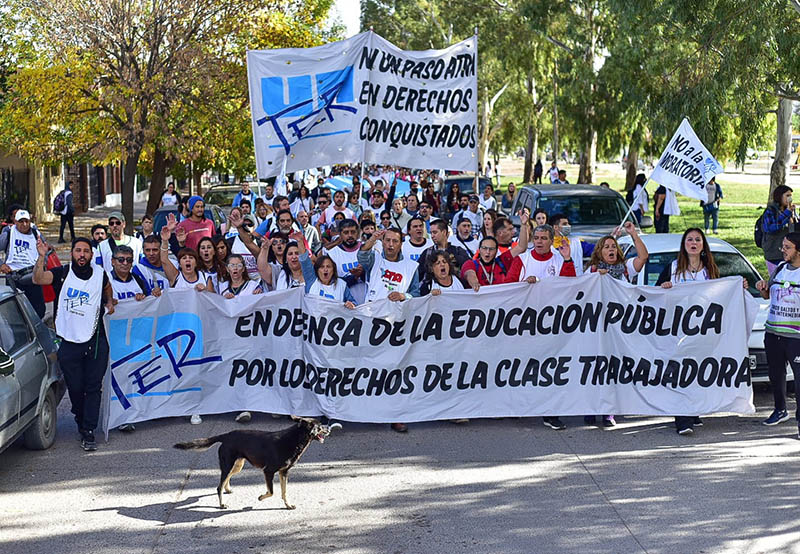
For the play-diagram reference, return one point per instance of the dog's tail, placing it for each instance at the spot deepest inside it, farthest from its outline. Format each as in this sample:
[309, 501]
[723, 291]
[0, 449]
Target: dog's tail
[198, 444]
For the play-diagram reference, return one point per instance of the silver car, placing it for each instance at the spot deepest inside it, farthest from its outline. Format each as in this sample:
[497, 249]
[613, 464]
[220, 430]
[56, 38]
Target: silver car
[663, 249]
[31, 384]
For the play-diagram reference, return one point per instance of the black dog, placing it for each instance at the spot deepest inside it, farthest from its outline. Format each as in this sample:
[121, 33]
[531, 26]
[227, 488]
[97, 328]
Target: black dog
[272, 452]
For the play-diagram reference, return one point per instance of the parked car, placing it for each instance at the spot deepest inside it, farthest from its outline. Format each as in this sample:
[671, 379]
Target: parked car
[223, 195]
[663, 249]
[592, 211]
[213, 212]
[31, 384]
[466, 184]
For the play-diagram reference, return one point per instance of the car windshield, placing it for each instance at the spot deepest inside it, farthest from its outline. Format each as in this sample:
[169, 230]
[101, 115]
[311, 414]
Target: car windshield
[466, 185]
[221, 197]
[729, 264]
[585, 210]
[160, 218]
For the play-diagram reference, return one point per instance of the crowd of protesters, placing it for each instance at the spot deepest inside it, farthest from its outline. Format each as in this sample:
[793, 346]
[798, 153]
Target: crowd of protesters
[352, 246]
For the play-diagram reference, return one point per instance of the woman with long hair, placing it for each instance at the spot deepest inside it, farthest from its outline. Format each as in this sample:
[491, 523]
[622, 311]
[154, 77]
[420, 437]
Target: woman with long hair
[489, 217]
[237, 282]
[303, 202]
[208, 262]
[321, 278]
[291, 274]
[539, 217]
[452, 199]
[440, 274]
[221, 248]
[695, 263]
[608, 259]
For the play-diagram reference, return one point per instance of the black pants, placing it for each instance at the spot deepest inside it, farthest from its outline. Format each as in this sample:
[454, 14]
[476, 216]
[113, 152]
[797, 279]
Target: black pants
[780, 350]
[662, 224]
[84, 365]
[67, 220]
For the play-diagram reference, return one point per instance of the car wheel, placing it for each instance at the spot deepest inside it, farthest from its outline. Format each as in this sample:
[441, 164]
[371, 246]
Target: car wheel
[42, 433]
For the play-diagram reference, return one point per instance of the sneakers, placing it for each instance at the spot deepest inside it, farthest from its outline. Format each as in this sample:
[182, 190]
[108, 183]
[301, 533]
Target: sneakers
[777, 417]
[554, 423]
[196, 420]
[87, 442]
[460, 420]
[243, 417]
[609, 421]
[685, 431]
[697, 422]
[400, 427]
[127, 428]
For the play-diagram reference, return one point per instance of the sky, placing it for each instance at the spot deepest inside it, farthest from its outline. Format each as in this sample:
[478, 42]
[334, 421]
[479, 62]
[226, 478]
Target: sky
[349, 12]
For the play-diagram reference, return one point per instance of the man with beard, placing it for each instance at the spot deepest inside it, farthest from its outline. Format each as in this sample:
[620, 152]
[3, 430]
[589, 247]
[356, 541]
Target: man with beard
[345, 257]
[389, 275]
[106, 249]
[439, 236]
[19, 246]
[82, 289]
[464, 238]
[416, 243]
[338, 206]
[196, 225]
[492, 265]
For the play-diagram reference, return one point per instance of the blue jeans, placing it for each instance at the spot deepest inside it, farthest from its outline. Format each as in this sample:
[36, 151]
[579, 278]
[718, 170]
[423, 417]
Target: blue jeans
[711, 213]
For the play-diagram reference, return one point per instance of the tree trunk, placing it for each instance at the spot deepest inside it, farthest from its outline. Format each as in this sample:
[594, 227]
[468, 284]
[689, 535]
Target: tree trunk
[632, 167]
[196, 175]
[129, 188]
[535, 147]
[783, 146]
[588, 158]
[527, 173]
[555, 111]
[159, 181]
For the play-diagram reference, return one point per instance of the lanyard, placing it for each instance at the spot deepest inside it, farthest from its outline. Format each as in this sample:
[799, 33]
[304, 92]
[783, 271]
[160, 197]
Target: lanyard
[489, 277]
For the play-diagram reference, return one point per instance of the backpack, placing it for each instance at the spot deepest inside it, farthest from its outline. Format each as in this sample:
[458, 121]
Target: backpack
[60, 202]
[758, 231]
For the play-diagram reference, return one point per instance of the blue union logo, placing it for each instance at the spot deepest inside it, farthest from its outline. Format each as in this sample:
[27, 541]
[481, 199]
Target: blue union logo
[305, 109]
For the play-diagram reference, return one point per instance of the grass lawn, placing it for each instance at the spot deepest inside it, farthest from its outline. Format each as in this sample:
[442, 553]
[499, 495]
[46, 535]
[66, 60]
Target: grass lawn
[737, 215]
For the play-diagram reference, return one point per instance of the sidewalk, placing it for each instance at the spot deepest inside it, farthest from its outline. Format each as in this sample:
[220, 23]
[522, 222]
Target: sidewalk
[83, 226]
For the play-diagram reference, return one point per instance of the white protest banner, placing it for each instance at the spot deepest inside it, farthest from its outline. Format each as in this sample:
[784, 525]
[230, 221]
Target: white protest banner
[686, 165]
[364, 99]
[568, 346]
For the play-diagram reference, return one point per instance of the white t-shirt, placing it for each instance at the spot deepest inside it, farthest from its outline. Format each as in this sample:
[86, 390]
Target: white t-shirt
[22, 251]
[784, 303]
[104, 249]
[455, 285]
[471, 245]
[413, 252]
[488, 203]
[168, 199]
[687, 276]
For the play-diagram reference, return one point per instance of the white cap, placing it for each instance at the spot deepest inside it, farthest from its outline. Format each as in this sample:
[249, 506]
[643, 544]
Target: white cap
[22, 214]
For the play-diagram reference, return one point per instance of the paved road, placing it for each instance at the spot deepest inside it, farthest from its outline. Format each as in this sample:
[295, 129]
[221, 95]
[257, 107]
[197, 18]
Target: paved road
[509, 486]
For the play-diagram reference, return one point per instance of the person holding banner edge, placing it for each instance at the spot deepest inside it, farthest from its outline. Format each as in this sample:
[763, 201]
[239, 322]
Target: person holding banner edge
[778, 220]
[695, 262]
[781, 332]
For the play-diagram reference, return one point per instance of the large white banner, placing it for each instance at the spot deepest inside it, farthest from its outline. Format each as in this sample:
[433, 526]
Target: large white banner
[364, 99]
[686, 165]
[568, 346]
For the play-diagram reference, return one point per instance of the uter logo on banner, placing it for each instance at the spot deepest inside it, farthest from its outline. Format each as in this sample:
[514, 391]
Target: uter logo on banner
[297, 106]
[162, 347]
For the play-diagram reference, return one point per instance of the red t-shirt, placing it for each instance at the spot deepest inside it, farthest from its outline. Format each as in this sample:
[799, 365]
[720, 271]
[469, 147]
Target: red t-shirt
[496, 271]
[196, 230]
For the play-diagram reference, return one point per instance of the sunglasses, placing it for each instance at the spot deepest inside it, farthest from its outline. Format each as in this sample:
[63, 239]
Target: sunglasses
[385, 217]
[114, 223]
[124, 259]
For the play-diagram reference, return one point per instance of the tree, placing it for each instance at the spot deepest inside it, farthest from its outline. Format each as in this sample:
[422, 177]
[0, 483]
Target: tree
[136, 58]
